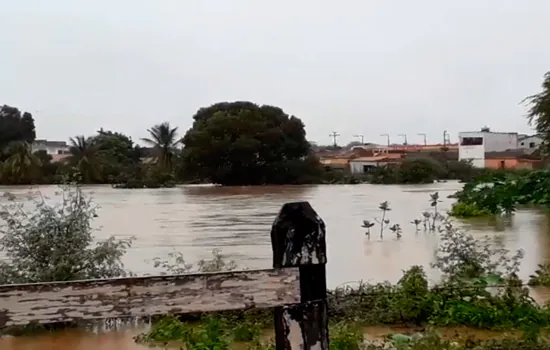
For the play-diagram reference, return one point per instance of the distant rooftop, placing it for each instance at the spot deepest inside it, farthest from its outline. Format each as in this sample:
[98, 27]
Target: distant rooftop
[523, 136]
[50, 143]
[486, 129]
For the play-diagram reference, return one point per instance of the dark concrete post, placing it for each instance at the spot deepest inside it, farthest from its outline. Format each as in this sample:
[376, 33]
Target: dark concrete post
[298, 240]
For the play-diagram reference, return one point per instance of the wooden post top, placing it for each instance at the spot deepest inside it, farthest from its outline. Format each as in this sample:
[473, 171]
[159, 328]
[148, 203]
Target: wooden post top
[298, 236]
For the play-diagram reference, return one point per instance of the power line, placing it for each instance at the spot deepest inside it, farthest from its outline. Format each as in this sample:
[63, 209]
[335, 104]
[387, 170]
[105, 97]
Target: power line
[405, 137]
[361, 137]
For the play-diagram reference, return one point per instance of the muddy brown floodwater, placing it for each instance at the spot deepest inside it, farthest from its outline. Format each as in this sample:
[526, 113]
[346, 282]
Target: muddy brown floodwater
[196, 219]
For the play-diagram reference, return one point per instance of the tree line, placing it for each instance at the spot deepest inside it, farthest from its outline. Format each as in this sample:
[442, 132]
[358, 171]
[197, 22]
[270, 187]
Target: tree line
[229, 143]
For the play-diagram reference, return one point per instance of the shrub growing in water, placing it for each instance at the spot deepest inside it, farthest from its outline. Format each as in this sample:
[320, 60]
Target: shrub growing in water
[56, 242]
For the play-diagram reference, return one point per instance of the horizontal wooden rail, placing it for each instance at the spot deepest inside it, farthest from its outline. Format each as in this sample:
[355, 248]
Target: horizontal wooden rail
[296, 288]
[147, 296]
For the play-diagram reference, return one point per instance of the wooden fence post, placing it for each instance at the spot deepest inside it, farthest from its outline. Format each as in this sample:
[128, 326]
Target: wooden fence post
[298, 240]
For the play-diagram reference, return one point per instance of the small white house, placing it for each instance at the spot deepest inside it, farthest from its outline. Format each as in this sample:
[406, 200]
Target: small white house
[474, 144]
[362, 165]
[51, 147]
[529, 143]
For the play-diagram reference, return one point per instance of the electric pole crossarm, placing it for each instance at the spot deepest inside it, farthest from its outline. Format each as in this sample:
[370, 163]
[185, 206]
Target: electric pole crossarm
[334, 136]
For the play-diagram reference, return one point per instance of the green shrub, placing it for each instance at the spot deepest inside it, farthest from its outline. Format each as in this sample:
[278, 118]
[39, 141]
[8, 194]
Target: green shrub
[56, 242]
[420, 170]
[541, 276]
[467, 210]
[346, 336]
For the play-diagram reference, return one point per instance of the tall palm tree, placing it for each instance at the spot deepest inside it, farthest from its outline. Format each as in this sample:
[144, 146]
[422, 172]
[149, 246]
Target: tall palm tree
[22, 165]
[164, 139]
[84, 157]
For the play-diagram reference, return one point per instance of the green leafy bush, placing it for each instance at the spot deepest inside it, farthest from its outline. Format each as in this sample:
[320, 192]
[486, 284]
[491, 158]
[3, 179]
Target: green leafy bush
[496, 193]
[346, 336]
[56, 242]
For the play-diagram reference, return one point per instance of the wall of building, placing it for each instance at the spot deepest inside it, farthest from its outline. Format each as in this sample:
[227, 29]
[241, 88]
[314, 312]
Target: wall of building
[530, 143]
[472, 152]
[51, 147]
[490, 142]
[500, 141]
[508, 163]
[357, 167]
[336, 163]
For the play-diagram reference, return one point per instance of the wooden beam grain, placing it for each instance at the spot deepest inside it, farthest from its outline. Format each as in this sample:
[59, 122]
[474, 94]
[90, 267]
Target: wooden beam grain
[147, 296]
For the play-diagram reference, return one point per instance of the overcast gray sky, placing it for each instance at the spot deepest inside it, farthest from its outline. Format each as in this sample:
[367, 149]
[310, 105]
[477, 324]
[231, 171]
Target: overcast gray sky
[354, 66]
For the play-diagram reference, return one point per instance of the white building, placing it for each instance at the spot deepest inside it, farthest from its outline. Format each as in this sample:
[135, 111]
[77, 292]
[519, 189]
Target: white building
[51, 147]
[529, 143]
[474, 144]
[381, 158]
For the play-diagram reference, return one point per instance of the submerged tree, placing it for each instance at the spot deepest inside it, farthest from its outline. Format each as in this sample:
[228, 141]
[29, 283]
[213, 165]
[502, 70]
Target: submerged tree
[55, 242]
[164, 140]
[242, 143]
[84, 157]
[22, 165]
[539, 113]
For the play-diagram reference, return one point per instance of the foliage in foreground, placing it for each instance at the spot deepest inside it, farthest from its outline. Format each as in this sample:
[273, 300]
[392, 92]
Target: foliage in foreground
[539, 113]
[502, 193]
[479, 288]
[56, 242]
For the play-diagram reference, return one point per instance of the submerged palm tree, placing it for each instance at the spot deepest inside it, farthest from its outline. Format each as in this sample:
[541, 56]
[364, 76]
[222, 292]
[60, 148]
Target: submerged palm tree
[21, 164]
[84, 157]
[164, 140]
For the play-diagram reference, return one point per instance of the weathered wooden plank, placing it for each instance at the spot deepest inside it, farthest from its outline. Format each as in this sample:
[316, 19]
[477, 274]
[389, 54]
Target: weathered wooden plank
[147, 296]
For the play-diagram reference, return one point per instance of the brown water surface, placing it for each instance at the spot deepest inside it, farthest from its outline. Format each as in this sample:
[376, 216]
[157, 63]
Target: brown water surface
[196, 219]
[73, 340]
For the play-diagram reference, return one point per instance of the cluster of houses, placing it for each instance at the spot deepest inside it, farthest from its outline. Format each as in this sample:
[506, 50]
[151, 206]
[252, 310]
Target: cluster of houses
[484, 149]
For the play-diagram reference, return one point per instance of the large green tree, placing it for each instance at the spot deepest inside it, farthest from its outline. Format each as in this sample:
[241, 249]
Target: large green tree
[15, 126]
[117, 154]
[242, 143]
[164, 140]
[539, 113]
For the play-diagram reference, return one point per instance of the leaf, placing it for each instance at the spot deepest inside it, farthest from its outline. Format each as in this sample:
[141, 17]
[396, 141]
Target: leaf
[492, 279]
[400, 338]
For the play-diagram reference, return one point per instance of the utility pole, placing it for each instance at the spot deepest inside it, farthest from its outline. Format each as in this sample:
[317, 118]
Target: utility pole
[445, 136]
[360, 137]
[334, 136]
[388, 137]
[405, 138]
[423, 134]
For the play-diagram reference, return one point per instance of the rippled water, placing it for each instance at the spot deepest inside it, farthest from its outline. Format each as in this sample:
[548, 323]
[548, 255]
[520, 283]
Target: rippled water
[196, 219]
